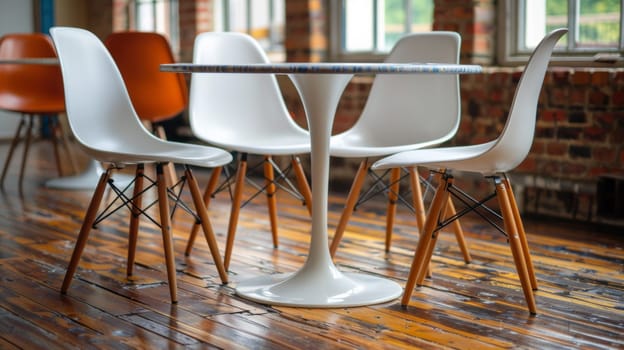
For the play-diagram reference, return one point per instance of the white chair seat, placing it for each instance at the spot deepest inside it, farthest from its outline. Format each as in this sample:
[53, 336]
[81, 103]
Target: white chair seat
[356, 146]
[272, 143]
[457, 158]
[154, 150]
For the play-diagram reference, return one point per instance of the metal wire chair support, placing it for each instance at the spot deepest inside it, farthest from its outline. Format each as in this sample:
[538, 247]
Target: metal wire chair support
[230, 172]
[281, 180]
[471, 205]
[378, 187]
[282, 175]
[128, 202]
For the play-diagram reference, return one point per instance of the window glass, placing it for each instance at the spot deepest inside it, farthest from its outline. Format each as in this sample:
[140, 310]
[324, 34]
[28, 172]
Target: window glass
[395, 20]
[599, 23]
[359, 25]
[594, 27]
[422, 15]
[262, 19]
[374, 26]
[159, 16]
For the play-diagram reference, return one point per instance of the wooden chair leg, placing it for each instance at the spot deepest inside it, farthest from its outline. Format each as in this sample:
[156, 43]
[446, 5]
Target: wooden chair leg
[393, 197]
[302, 183]
[419, 262]
[235, 209]
[25, 153]
[417, 199]
[521, 234]
[55, 147]
[87, 223]
[441, 213]
[418, 204]
[515, 244]
[14, 142]
[212, 185]
[271, 196]
[202, 211]
[352, 198]
[165, 227]
[459, 232]
[135, 215]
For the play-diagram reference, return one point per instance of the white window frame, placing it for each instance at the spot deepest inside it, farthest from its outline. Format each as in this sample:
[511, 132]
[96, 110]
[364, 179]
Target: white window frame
[162, 16]
[509, 35]
[337, 52]
[244, 15]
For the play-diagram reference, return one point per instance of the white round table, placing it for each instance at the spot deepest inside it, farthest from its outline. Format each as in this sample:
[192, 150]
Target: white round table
[318, 283]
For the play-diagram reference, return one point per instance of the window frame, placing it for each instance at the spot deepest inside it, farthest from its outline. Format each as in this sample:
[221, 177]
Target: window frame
[171, 16]
[276, 49]
[337, 36]
[508, 53]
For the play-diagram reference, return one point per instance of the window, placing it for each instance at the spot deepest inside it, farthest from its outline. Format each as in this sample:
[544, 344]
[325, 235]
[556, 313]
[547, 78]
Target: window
[155, 16]
[361, 28]
[262, 19]
[595, 29]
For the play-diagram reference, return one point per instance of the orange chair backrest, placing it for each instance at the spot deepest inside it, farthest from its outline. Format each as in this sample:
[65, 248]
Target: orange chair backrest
[30, 88]
[156, 96]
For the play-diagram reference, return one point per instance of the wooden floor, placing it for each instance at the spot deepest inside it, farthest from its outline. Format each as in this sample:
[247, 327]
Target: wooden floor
[477, 306]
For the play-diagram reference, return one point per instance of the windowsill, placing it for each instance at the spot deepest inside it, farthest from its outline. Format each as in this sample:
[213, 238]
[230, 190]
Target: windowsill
[598, 61]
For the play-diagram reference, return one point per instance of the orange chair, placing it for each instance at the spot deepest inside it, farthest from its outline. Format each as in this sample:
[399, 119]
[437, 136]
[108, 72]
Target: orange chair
[31, 90]
[156, 97]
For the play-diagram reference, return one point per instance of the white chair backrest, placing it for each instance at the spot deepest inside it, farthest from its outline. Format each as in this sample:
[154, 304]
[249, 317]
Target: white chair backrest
[226, 107]
[98, 106]
[410, 109]
[514, 143]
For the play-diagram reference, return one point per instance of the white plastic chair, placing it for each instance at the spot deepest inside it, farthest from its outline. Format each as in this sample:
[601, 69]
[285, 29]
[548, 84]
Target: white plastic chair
[403, 113]
[107, 128]
[492, 159]
[244, 113]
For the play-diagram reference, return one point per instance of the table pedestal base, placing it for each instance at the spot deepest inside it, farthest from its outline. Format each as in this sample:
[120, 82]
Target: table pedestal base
[88, 179]
[340, 290]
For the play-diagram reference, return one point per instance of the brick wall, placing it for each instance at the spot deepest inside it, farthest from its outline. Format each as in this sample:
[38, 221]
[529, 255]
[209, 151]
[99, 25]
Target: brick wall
[305, 27]
[475, 20]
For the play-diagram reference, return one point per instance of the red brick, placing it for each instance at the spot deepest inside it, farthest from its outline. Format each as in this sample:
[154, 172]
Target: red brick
[558, 96]
[595, 133]
[597, 171]
[552, 115]
[538, 147]
[618, 98]
[581, 78]
[601, 78]
[578, 97]
[619, 77]
[573, 169]
[604, 154]
[529, 165]
[560, 76]
[605, 119]
[556, 149]
[598, 98]
[618, 137]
